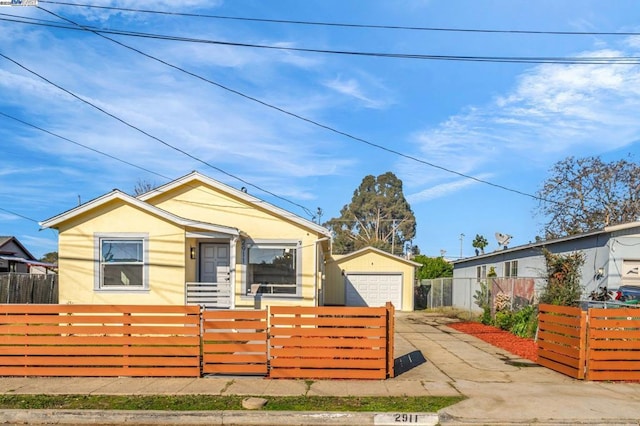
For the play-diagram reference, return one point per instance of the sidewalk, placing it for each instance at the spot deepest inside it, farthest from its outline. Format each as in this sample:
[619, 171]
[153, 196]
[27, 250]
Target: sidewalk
[432, 359]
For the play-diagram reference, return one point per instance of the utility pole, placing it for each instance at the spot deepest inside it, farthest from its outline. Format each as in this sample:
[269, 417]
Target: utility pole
[393, 236]
[461, 240]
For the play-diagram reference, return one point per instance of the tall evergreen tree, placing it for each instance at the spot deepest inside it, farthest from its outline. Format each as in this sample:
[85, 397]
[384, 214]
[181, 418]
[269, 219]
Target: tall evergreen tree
[377, 216]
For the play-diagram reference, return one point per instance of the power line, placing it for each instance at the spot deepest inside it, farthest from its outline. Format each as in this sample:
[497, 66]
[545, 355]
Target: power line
[167, 144]
[18, 215]
[113, 157]
[313, 122]
[82, 145]
[318, 124]
[350, 25]
[564, 60]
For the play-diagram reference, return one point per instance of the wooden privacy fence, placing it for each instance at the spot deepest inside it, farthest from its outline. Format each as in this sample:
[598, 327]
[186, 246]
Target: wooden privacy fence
[186, 341]
[345, 343]
[99, 340]
[596, 344]
[28, 288]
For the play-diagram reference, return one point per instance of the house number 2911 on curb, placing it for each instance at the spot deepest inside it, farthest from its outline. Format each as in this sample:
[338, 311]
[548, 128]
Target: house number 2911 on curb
[413, 419]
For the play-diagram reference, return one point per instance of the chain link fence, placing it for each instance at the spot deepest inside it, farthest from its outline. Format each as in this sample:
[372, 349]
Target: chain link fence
[470, 293]
[434, 293]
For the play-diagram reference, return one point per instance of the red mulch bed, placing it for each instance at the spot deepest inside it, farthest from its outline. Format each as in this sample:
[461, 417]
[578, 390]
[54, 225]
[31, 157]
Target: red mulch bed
[524, 348]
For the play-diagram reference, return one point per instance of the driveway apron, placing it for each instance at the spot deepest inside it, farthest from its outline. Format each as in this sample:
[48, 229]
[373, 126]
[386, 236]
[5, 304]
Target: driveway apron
[500, 387]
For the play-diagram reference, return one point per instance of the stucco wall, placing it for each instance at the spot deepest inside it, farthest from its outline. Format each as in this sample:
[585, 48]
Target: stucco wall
[201, 202]
[77, 245]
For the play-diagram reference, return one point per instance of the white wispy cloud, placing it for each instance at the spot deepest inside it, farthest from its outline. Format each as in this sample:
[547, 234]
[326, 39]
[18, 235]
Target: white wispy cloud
[443, 189]
[99, 15]
[353, 88]
[8, 217]
[552, 111]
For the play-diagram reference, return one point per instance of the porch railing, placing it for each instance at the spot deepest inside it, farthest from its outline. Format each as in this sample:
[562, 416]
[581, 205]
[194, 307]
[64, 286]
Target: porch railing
[209, 295]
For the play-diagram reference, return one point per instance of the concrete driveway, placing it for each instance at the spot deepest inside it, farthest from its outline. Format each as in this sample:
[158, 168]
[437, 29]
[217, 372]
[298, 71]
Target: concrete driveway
[502, 388]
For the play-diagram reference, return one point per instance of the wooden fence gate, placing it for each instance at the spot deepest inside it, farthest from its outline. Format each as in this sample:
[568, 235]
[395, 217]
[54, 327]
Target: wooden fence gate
[331, 343]
[234, 342]
[562, 339]
[596, 344]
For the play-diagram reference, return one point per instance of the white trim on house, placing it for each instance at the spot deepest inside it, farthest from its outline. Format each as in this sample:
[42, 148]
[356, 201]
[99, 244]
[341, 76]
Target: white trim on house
[340, 258]
[621, 227]
[250, 199]
[128, 199]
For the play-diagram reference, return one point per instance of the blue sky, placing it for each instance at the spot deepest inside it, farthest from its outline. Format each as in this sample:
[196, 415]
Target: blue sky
[505, 123]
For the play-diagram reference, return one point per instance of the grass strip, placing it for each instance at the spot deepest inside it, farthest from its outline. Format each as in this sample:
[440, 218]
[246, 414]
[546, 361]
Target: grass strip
[226, 402]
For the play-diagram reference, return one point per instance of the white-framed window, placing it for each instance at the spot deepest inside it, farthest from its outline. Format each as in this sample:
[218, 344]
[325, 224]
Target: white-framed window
[481, 272]
[511, 268]
[274, 269]
[121, 262]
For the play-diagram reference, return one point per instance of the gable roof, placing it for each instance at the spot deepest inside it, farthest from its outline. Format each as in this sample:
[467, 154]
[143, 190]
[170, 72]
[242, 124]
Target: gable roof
[128, 199]
[249, 199]
[374, 250]
[6, 240]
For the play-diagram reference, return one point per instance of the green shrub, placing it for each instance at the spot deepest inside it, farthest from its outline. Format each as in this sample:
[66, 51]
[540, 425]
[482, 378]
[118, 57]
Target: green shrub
[504, 320]
[524, 322]
[563, 278]
[485, 318]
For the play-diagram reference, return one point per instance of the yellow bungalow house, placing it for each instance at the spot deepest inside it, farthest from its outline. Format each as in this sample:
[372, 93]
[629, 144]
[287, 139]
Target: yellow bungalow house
[194, 241]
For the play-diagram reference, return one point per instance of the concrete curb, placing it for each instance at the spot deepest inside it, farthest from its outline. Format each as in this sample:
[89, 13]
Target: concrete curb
[446, 420]
[197, 418]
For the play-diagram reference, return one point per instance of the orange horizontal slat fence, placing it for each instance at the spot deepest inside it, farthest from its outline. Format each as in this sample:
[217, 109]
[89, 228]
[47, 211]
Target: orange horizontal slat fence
[234, 342]
[328, 342]
[594, 344]
[561, 339]
[614, 344]
[99, 340]
[187, 341]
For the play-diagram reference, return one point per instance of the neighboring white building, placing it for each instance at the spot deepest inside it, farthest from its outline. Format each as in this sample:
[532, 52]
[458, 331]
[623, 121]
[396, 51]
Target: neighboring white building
[612, 258]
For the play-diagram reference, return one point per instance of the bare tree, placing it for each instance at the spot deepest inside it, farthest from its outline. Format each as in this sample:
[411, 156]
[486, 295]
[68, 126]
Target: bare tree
[143, 186]
[585, 194]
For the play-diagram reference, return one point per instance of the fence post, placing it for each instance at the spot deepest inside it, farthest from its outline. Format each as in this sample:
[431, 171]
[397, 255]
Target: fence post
[390, 339]
[583, 366]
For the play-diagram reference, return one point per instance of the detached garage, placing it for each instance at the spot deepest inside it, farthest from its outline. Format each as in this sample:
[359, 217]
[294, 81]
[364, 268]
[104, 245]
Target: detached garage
[370, 277]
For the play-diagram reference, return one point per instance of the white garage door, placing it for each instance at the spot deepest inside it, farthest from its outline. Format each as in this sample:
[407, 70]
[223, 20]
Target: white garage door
[373, 289]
